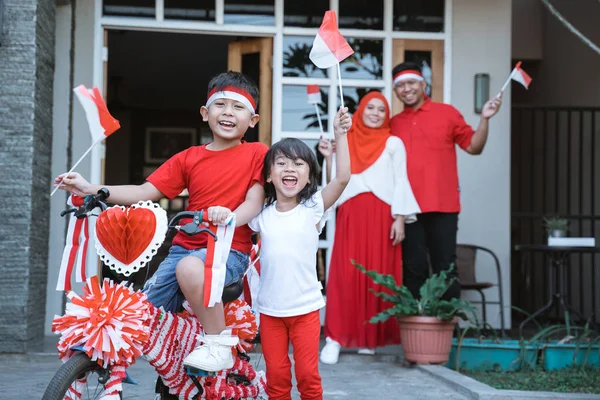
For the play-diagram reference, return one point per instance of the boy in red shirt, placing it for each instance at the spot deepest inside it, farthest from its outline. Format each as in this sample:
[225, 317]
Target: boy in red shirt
[221, 177]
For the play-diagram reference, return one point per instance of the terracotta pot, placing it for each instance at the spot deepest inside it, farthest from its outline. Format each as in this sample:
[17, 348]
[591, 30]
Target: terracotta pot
[426, 340]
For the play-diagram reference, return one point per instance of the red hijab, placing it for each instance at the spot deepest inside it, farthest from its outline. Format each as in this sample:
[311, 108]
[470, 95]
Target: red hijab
[366, 144]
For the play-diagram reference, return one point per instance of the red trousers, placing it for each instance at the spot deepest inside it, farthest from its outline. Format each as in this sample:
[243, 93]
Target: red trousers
[304, 332]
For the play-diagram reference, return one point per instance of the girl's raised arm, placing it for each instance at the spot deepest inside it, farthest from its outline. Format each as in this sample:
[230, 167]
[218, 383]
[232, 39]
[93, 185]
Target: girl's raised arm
[334, 189]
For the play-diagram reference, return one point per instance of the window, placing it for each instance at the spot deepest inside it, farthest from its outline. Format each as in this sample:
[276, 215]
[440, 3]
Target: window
[295, 58]
[307, 14]
[298, 115]
[419, 16]
[190, 10]
[250, 12]
[366, 62]
[129, 8]
[361, 14]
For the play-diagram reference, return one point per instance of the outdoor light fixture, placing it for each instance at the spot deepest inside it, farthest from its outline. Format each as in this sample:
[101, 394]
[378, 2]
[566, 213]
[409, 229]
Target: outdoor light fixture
[482, 91]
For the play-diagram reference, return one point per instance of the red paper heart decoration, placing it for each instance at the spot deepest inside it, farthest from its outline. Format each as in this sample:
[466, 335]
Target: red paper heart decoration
[128, 237]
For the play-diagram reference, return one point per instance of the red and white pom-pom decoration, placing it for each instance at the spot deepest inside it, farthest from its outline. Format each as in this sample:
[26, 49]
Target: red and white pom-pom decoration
[242, 322]
[128, 237]
[108, 322]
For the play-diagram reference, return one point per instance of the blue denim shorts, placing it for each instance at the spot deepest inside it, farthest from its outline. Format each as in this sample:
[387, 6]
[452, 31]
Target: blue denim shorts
[163, 289]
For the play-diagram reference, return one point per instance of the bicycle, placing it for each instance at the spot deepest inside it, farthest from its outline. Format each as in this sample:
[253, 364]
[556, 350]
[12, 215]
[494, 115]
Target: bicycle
[136, 328]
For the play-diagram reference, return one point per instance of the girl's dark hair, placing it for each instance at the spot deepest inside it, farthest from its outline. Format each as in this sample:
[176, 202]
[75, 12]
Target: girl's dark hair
[293, 149]
[235, 79]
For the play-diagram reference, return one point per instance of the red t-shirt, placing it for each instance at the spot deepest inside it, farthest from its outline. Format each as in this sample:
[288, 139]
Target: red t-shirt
[429, 135]
[213, 178]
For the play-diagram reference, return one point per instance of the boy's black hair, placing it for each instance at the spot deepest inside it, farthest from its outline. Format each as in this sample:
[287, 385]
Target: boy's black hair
[404, 66]
[293, 149]
[235, 79]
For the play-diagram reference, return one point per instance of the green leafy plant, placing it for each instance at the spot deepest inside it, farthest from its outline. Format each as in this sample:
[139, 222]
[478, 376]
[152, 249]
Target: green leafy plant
[556, 224]
[430, 303]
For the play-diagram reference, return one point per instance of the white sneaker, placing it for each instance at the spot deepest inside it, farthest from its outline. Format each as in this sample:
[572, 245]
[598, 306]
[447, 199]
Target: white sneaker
[366, 352]
[331, 352]
[214, 353]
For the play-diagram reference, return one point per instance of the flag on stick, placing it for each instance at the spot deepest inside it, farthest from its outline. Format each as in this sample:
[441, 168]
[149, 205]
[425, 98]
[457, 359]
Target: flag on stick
[314, 94]
[314, 97]
[517, 74]
[329, 47]
[100, 122]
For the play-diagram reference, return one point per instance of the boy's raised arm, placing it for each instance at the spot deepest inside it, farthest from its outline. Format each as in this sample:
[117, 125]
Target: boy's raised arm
[334, 189]
[119, 194]
[252, 205]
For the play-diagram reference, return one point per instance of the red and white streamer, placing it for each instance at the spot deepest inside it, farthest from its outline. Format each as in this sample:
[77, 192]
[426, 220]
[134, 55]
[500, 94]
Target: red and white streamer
[76, 246]
[174, 336]
[217, 252]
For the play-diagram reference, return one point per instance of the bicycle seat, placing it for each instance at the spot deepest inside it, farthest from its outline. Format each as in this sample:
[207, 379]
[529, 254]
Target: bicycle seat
[232, 291]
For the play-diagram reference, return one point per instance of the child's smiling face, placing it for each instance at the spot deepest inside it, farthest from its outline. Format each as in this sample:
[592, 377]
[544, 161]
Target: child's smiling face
[228, 119]
[288, 177]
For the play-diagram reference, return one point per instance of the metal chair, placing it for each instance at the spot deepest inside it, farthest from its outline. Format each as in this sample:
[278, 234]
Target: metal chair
[466, 255]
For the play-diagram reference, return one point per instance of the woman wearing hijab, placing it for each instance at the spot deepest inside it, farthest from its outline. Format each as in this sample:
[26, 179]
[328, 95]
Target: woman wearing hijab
[371, 214]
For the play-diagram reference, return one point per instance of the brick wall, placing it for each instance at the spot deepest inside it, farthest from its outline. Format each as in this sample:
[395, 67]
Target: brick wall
[26, 75]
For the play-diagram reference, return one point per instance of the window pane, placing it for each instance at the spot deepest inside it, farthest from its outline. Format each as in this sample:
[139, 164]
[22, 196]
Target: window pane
[249, 12]
[361, 14]
[419, 16]
[298, 115]
[306, 14]
[366, 62]
[129, 8]
[352, 97]
[422, 58]
[295, 58]
[190, 10]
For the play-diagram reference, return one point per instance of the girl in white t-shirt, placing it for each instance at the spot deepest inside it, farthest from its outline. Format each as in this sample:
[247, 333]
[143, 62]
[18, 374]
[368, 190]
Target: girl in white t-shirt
[289, 297]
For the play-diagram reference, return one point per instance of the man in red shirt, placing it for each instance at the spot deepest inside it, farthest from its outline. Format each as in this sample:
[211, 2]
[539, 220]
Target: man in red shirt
[430, 132]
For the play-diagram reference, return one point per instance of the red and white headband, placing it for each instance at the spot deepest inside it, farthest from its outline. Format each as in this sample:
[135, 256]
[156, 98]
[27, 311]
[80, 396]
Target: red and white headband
[406, 75]
[233, 93]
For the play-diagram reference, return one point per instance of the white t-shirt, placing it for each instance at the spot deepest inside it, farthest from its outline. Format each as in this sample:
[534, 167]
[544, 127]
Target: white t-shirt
[288, 258]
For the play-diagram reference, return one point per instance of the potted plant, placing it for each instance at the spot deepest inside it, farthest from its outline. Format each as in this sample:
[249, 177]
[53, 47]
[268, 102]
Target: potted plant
[426, 324]
[556, 226]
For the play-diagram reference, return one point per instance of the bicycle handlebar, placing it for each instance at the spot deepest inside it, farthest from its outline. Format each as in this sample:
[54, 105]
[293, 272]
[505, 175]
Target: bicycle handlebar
[191, 228]
[90, 202]
[99, 200]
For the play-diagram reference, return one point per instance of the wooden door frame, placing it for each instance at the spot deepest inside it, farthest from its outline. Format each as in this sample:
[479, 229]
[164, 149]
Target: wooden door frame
[263, 46]
[436, 47]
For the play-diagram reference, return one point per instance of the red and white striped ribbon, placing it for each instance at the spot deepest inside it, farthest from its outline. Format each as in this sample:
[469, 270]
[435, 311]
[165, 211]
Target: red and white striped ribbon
[215, 268]
[76, 246]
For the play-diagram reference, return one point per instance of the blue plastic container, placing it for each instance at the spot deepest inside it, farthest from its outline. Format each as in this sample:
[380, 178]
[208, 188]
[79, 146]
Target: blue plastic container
[558, 356]
[490, 354]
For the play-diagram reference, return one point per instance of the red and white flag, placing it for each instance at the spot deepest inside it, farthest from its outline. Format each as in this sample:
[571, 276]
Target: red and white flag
[101, 123]
[520, 76]
[314, 94]
[329, 47]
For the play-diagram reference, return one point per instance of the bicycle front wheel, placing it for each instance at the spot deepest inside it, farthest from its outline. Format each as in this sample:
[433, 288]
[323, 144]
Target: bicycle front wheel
[78, 378]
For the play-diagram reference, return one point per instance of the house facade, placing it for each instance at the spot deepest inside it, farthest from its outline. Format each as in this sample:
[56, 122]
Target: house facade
[153, 59]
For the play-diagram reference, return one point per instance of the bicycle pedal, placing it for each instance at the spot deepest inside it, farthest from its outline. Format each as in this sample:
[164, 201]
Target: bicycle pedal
[198, 372]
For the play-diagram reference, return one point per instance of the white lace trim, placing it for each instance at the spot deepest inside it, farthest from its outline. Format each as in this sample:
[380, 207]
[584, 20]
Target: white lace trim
[159, 236]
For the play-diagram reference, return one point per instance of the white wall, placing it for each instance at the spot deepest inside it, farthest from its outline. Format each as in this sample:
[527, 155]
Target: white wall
[481, 42]
[83, 74]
